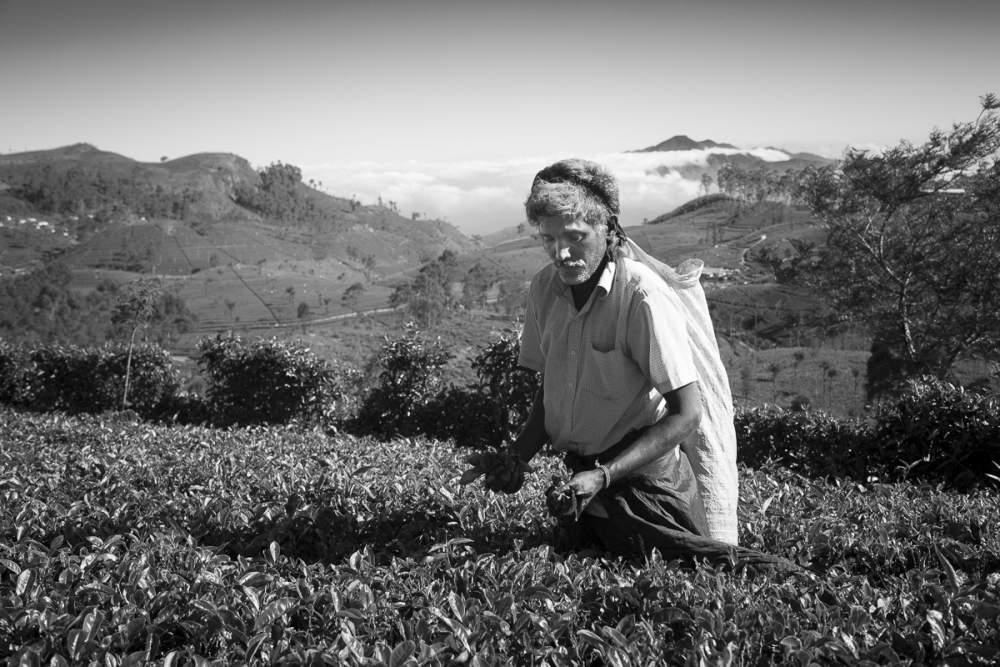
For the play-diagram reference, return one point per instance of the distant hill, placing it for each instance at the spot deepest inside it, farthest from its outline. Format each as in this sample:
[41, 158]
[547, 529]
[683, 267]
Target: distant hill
[745, 159]
[681, 142]
[90, 193]
[506, 235]
[239, 247]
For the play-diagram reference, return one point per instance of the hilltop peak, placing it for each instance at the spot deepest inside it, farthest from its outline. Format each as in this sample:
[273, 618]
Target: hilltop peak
[682, 142]
[81, 147]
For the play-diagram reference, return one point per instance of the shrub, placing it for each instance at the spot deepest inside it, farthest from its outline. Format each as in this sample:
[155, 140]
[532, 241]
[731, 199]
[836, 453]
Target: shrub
[269, 382]
[942, 433]
[403, 400]
[13, 375]
[933, 431]
[465, 415]
[187, 407]
[75, 379]
[510, 387]
[491, 411]
[812, 443]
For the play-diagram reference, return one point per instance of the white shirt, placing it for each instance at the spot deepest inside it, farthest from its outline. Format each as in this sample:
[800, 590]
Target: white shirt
[605, 367]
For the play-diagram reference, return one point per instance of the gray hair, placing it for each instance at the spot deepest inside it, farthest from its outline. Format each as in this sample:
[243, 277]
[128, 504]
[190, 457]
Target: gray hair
[574, 187]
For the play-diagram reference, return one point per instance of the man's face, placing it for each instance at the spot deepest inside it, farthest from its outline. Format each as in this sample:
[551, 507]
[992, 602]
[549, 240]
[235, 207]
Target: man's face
[573, 245]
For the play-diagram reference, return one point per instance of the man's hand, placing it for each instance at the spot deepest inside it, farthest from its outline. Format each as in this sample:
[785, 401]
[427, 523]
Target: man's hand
[504, 472]
[586, 485]
[508, 475]
[567, 498]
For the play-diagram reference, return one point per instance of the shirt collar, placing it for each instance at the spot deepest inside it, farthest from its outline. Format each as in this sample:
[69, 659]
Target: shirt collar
[604, 283]
[607, 278]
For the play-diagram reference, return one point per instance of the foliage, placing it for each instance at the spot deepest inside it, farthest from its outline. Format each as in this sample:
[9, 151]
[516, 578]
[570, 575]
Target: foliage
[270, 382]
[44, 306]
[811, 443]
[13, 374]
[74, 379]
[754, 186]
[146, 305]
[279, 195]
[133, 309]
[505, 391]
[412, 399]
[932, 431]
[41, 306]
[430, 293]
[126, 543]
[478, 280]
[402, 400]
[351, 295]
[503, 380]
[942, 433]
[512, 297]
[914, 243]
[73, 188]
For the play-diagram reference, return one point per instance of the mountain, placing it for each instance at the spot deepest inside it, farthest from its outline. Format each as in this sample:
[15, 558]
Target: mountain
[681, 142]
[719, 154]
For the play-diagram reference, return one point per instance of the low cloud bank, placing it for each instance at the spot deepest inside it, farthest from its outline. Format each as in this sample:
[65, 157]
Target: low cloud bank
[484, 196]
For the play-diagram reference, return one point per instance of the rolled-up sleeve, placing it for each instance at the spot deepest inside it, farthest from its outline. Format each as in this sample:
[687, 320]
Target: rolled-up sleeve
[658, 340]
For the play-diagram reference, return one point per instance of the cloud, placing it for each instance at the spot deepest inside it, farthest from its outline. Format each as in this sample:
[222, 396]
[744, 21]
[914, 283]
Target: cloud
[482, 196]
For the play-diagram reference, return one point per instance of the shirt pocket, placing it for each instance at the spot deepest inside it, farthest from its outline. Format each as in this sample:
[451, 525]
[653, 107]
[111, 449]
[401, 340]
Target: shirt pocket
[610, 376]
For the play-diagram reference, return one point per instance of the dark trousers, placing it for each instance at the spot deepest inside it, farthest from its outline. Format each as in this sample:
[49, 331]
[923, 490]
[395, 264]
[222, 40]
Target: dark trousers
[645, 513]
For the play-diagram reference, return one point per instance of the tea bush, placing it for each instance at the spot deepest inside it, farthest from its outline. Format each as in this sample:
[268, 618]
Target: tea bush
[939, 432]
[75, 380]
[931, 431]
[270, 382]
[402, 402]
[490, 412]
[510, 388]
[13, 378]
[812, 443]
[131, 543]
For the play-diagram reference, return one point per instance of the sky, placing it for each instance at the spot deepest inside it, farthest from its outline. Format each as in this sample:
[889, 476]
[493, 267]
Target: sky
[449, 107]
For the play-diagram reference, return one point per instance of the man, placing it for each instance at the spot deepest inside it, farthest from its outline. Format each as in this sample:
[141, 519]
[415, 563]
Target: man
[620, 390]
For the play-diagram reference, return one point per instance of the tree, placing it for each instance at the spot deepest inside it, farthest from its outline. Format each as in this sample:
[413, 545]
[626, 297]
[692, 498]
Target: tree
[512, 296]
[351, 295]
[368, 266]
[303, 312]
[429, 295]
[477, 283]
[706, 183]
[277, 193]
[134, 308]
[913, 248]
[774, 368]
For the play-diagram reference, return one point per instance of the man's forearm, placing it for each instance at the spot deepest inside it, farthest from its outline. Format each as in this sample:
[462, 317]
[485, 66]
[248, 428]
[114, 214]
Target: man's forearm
[533, 436]
[679, 423]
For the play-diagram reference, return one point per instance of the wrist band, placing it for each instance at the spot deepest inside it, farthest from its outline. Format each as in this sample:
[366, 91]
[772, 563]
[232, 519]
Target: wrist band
[604, 471]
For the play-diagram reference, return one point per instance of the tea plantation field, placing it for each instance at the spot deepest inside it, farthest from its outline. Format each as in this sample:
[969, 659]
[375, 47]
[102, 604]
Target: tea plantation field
[126, 543]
